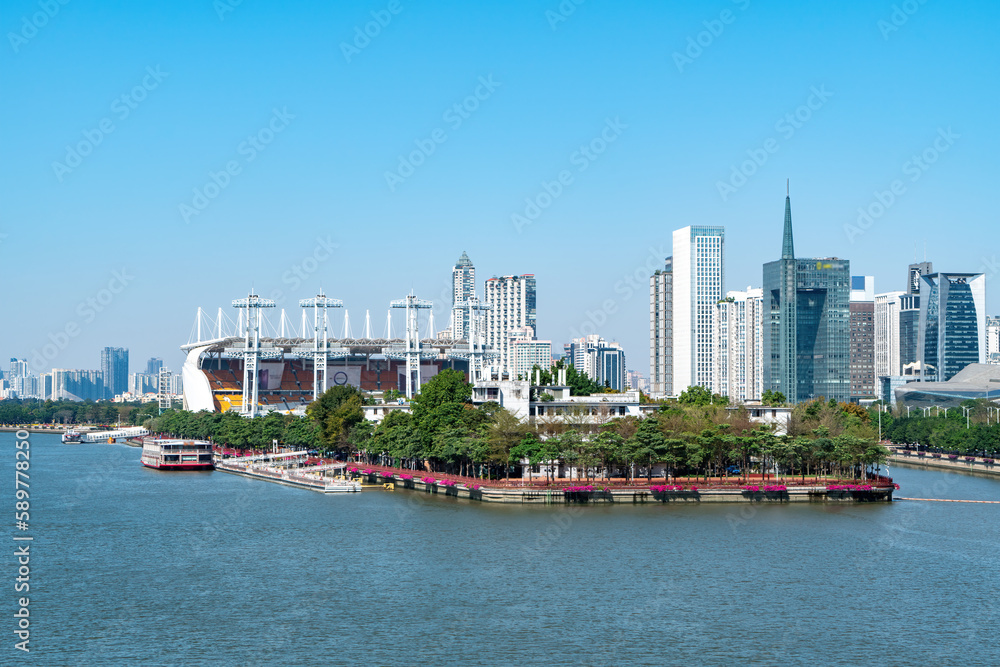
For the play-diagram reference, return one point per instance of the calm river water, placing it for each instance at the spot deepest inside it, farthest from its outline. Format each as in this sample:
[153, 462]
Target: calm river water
[137, 566]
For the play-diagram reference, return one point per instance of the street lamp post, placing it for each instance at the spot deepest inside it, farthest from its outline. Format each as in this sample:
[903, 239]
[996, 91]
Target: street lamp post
[966, 411]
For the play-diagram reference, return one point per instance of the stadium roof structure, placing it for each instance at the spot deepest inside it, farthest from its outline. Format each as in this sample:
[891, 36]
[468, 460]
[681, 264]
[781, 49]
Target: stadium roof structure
[972, 382]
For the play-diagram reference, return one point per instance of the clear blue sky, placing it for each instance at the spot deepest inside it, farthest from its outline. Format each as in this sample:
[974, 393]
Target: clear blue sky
[679, 124]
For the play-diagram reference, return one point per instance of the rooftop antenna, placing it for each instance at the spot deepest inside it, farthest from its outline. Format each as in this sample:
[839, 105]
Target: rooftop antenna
[787, 189]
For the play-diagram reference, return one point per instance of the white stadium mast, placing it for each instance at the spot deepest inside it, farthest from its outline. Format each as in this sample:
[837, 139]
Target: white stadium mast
[320, 350]
[412, 352]
[251, 351]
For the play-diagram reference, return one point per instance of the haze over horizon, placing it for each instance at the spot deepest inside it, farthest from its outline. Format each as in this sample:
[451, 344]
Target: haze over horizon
[176, 155]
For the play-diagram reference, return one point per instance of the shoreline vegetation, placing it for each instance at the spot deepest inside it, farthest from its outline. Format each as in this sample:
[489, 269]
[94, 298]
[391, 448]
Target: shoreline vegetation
[696, 437]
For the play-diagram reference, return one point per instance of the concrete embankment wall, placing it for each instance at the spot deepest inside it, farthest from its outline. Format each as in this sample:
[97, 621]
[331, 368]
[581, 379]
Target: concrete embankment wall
[635, 496]
[976, 467]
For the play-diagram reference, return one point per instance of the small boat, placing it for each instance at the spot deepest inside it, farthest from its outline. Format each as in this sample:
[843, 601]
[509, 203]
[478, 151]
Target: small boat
[72, 437]
[177, 454]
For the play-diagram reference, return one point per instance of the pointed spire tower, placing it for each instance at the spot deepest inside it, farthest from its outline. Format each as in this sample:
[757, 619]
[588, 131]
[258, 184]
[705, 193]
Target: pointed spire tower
[787, 244]
[780, 329]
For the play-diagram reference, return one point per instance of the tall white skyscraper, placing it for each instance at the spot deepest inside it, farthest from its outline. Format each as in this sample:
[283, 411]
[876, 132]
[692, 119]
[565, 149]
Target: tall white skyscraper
[887, 335]
[661, 330]
[463, 286]
[699, 279]
[993, 340]
[739, 370]
[511, 301]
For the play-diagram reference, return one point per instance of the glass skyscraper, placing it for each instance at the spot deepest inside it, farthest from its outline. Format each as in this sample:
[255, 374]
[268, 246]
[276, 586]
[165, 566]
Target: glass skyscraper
[952, 323]
[807, 324]
[114, 367]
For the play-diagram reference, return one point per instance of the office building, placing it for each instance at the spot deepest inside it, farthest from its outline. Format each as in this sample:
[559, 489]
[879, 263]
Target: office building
[952, 331]
[739, 344]
[909, 313]
[888, 359]
[862, 337]
[611, 366]
[806, 338]
[661, 330]
[114, 368]
[511, 305]
[698, 283]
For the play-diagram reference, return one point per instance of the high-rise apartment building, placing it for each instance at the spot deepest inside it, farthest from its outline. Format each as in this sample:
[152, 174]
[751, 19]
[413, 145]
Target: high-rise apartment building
[529, 353]
[18, 368]
[154, 365]
[602, 361]
[463, 287]
[739, 344]
[114, 367]
[142, 383]
[77, 385]
[661, 330]
[698, 283]
[807, 330]
[511, 306]
[952, 323]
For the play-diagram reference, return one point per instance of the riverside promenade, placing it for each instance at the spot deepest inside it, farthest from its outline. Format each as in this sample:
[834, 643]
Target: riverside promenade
[618, 492]
[976, 465]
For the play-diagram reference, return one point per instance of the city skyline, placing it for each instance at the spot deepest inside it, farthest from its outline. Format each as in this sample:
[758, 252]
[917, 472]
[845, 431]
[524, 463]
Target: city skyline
[856, 108]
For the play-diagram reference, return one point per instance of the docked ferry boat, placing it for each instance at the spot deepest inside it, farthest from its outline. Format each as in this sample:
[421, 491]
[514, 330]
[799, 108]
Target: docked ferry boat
[71, 437]
[177, 454]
